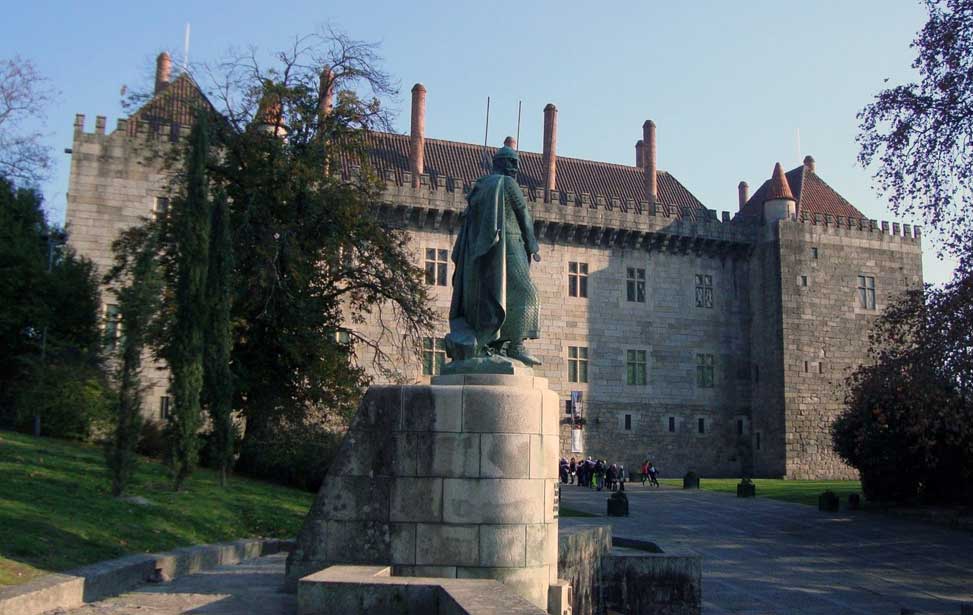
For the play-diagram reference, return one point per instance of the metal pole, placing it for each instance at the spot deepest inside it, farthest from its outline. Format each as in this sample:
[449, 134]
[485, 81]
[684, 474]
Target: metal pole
[486, 135]
[519, 103]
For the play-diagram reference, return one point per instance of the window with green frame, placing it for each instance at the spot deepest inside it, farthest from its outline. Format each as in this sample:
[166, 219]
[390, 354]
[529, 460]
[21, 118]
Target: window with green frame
[635, 367]
[704, 371]
[433, 356]
[577, 364]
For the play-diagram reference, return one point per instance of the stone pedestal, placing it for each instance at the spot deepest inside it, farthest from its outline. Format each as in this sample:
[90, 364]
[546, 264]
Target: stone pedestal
[456, 479]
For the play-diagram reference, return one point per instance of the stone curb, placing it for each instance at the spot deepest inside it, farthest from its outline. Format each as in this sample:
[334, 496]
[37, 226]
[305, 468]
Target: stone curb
[109, 578]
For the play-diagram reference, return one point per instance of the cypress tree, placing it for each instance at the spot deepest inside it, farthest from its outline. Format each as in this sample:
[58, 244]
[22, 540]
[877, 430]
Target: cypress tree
[218, 378]
[138, 302]
[190, 225]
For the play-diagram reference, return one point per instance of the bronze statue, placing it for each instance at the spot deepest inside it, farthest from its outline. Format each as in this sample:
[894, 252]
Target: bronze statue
[494, 306]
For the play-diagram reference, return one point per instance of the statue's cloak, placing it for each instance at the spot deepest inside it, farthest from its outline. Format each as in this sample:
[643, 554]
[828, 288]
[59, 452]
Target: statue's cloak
[489, 252]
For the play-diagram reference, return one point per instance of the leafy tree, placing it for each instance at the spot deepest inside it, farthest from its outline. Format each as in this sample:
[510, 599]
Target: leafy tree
[311, 258]
[218, 341]
[24, 95]
[137, 286]
[908, 423]
[49, 327]
[920, 133]
[183, 346]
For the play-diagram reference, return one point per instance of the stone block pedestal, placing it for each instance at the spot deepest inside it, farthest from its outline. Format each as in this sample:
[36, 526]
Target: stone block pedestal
[458, 479]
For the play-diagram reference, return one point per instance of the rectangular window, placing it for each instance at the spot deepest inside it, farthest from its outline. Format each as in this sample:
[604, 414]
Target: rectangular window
[577, 279]
[739, 427]
[436, 266]
[635, 367]
[820, 367]
[113, 321]
[164, 407]
[628, 422]
[814, 252]
[635, 285]
[866, 292]
[672, 424]
[577, 364]
[704, 371]
[805, 367]
[433, 356]
[342, 337]
[701, 425]
[704, 290]
[161, 207]
[756, 440]
[803, 280]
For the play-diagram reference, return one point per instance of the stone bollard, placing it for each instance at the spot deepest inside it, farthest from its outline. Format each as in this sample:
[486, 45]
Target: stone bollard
[618, 505]
[828, 502]
[690, 481]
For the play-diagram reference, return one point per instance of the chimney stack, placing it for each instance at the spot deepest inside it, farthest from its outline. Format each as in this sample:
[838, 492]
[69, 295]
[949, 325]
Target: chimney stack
[163, 69]
[648, 157]
[640, 154]
[743, 191]
[550, 148]
[417, 142]
[809, 163]
[327, 91]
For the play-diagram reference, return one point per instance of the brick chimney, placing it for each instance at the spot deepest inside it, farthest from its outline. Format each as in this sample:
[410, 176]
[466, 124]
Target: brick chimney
[417, 142]
[743, 192]
[550, 148]
[327, 91]
[163, 69]
[640, 153]
[648, 157]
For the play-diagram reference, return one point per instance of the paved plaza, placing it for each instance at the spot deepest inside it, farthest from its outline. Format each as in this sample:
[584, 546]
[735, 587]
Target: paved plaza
[759, 556]
[764, 556]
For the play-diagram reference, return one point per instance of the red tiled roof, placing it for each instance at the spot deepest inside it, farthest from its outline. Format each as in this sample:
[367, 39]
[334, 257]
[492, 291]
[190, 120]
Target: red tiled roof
[778, 187]
[812, 194]
[176, 104]
[390, 152]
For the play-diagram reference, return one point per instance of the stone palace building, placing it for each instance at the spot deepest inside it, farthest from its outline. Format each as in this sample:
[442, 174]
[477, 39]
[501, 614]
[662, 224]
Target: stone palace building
[714, 343]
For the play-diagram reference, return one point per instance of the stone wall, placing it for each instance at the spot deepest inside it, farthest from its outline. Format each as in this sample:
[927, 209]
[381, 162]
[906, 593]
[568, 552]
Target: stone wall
[763, 416]
[825, 330]
[113, 185]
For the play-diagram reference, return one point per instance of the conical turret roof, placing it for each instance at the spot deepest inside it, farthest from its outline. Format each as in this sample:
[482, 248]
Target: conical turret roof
[778, 188]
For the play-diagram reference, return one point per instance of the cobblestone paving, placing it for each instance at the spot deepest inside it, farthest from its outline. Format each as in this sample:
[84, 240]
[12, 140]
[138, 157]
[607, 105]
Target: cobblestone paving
[764, 556]
[250, 587]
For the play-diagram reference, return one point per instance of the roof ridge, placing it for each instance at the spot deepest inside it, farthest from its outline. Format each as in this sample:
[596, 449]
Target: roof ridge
[629, 167]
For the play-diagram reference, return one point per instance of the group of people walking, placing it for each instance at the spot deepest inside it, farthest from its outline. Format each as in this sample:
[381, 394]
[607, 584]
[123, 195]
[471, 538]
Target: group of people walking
[594, 474]
[599, 474]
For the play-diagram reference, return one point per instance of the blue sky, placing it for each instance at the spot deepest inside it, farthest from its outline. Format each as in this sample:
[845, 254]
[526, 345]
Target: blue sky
[729, 84]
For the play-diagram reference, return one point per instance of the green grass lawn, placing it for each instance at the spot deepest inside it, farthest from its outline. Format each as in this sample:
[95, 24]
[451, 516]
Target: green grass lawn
[57, 512]
[799, 491]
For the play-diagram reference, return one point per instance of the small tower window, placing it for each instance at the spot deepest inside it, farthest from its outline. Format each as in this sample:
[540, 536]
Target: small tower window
[672, 424]
[628, 422]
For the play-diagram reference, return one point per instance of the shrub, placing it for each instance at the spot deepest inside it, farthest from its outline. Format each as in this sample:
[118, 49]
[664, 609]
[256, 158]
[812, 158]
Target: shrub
[73, 402]
[152, 440]
[208, 455]
[295, 455]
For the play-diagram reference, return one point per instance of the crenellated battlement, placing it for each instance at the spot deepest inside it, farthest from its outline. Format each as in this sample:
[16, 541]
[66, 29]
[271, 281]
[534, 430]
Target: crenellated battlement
[136, 130]
[595, 220]
[863, 227]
